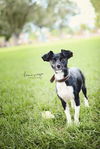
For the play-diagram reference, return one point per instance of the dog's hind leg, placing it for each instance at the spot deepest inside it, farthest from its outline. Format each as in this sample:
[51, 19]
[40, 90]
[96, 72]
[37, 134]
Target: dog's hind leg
[84, 90]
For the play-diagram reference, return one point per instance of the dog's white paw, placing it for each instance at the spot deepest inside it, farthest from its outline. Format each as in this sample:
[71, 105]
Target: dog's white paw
[86, 103]
[76, 122]
[69, 122]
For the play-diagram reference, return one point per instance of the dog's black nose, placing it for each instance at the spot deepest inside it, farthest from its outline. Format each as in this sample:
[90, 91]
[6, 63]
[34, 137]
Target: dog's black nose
[58, 66]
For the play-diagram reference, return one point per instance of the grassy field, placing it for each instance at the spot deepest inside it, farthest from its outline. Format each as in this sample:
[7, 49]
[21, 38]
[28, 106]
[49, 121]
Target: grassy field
[24, 97]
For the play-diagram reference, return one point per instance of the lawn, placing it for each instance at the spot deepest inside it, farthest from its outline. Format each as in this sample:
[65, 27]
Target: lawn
[24, 95]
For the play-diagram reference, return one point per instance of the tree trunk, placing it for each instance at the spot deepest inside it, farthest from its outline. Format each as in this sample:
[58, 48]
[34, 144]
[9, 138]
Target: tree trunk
[6, 40]
[42, 35]
[16, 38]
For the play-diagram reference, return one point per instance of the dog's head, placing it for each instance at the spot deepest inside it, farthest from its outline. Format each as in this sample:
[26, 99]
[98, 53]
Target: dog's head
[58, 61]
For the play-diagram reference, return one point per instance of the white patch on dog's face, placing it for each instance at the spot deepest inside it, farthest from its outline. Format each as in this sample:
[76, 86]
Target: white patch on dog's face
[59, 75]
[58, 62]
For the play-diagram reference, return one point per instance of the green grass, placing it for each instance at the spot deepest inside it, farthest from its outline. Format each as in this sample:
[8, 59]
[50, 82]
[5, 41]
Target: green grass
[22, 99]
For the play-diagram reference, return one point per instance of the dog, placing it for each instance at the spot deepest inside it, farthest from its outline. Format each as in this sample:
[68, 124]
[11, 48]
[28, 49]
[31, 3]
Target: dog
[69, 82]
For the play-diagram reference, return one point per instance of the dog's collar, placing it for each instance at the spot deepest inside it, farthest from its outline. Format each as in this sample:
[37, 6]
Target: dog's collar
[61, 80]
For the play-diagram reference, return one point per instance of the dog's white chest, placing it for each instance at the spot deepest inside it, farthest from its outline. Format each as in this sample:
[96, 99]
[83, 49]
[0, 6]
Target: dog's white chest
[64, 91]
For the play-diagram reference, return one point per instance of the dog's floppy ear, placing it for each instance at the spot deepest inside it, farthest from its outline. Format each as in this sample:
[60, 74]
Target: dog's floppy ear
[66, 53]
[47, 57]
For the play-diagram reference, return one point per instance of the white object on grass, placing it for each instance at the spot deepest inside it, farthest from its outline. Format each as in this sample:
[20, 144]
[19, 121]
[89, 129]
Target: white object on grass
[47, 115]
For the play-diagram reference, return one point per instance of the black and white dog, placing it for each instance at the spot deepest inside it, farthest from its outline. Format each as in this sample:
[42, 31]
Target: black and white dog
[69, 82]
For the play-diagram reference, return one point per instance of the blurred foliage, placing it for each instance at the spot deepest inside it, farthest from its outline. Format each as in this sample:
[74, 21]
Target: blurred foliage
[96, 4]
[15, 14]
[54, 12]
[84, 27]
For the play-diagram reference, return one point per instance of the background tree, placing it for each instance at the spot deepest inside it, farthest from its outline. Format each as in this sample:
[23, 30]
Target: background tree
[14, 14]
[96, 4]
[54, 14]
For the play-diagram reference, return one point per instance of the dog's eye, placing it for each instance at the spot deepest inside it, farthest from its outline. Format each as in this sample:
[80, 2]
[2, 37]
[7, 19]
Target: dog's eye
[61, 58]
[54, 59]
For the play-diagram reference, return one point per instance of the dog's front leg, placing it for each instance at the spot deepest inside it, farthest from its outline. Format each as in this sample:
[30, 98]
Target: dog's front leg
[67, 111]
[68, 116]
[76, 116]
[77, 109]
